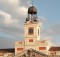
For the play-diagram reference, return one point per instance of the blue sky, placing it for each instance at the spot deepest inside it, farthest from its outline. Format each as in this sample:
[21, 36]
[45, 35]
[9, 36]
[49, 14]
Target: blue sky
[52, 15]
[50, 9]
[12, 20]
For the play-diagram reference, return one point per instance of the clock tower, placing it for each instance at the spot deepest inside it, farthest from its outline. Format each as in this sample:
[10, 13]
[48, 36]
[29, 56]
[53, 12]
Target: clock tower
[32, 27]
[32, 34]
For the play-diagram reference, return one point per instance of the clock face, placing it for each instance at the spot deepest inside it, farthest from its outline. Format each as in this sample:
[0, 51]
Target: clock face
[30, 31]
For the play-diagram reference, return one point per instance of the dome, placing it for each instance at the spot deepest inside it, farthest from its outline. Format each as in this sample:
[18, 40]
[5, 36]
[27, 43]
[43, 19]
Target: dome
[32, 10]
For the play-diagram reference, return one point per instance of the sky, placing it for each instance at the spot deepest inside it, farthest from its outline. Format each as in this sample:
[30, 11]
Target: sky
[13, 14]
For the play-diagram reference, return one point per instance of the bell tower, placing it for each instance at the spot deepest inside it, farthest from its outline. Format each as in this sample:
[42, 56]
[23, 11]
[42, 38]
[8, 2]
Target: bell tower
[32, 27]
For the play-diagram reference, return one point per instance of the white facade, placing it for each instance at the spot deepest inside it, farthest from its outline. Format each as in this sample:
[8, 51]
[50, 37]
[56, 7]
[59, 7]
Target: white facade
[32, 40]
[32, 35]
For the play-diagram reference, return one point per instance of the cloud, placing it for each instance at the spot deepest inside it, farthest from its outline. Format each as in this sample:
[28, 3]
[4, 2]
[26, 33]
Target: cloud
[52, 33]
[12, 18]
[6, 42]
[9, 25]
[6, 19]
[13, 8]
[54, 30]
[25, 3]
[14, 2]
[22, 11]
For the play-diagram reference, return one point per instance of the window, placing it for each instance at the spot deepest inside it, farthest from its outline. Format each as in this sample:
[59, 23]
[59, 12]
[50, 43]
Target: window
[30, 40]
[38, 32]
[20, 42]
[19, 49]
[42, 48]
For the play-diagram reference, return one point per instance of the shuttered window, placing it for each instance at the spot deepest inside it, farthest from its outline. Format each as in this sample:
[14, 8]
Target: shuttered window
[42, 48]
[19, 49]
[30, 40]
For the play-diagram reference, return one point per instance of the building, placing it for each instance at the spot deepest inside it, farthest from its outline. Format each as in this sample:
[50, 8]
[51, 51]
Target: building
[32, 46]
[32, 34]
[54, 51]
[7, 52]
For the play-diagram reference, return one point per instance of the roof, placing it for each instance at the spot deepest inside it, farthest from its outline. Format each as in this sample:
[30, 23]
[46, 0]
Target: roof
[54, 49]
[7, 50]
[32, 10]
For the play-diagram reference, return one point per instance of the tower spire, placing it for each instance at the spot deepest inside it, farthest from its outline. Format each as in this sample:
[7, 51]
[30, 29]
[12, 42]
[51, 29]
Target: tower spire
[32, 13]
